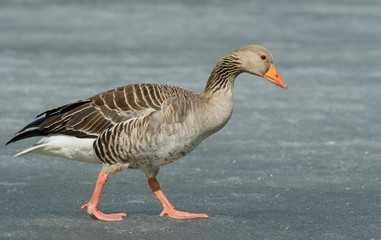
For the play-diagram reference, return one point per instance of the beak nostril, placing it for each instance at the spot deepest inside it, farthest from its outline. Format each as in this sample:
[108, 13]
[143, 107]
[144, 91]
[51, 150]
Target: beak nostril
[273, 76]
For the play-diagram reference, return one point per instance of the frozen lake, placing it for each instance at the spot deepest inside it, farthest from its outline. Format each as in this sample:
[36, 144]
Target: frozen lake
[301, 163]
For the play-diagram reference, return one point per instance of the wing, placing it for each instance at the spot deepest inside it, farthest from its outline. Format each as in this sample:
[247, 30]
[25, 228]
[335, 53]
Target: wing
[134, 139]
[89, 118]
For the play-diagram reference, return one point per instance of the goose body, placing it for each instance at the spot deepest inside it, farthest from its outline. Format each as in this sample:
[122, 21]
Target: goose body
[144, 126]
[140, 131]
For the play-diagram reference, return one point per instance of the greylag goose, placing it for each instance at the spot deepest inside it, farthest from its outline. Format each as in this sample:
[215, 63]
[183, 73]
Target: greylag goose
[144, 126]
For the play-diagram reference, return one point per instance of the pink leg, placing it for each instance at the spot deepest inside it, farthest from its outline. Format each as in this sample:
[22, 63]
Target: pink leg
[167, 206]
[92, 205]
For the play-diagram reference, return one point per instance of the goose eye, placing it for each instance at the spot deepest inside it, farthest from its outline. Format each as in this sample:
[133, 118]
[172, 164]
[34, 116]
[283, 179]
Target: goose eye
[263, 57]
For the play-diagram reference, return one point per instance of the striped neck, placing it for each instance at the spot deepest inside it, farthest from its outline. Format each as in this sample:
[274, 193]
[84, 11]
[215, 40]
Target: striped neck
[223, 75]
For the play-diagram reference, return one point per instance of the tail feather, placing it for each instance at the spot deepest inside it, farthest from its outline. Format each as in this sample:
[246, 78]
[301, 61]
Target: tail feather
[73, 148]
[31, 133]
[33, 124]
[41, 131]
[32, 149]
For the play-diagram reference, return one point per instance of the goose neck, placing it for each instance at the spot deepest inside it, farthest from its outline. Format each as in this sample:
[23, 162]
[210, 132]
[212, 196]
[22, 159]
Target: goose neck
[223, 75]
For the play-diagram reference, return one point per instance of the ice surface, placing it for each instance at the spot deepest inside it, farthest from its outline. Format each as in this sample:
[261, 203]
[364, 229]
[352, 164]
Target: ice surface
[297, 164]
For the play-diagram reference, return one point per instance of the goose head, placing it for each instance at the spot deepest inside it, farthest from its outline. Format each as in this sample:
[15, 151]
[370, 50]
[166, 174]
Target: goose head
[257, 60]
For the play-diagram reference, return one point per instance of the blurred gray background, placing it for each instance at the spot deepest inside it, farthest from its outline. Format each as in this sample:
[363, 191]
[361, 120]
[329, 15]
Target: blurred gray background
[301, 163]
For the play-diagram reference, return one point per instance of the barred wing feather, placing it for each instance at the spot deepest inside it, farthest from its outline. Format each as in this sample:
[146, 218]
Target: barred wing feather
[89, 118]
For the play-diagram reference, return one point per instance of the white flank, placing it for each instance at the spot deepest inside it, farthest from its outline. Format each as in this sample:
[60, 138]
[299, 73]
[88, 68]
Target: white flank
[73, 148]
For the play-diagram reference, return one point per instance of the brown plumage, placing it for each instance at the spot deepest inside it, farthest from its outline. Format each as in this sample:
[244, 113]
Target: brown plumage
[145, 126]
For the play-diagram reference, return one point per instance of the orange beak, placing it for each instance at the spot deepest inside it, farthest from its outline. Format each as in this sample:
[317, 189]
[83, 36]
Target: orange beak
[273, 76]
